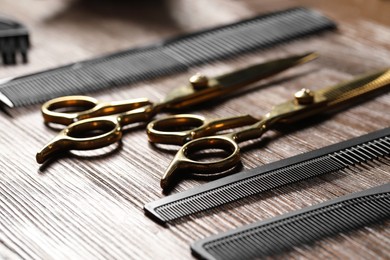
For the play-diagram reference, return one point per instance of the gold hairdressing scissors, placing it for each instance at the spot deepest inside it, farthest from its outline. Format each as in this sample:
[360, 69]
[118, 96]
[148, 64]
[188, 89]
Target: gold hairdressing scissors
[201, 133]
[94, 124]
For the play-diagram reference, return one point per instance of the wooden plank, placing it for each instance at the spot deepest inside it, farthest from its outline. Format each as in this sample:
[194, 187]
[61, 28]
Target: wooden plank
[89, 204]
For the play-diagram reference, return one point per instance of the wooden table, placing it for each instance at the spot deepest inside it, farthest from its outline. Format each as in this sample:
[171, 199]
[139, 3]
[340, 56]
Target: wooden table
[88, 205]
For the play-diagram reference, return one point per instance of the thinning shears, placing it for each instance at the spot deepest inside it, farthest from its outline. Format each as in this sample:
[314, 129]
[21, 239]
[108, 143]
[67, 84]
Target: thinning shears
[92, 124]
[202, 134]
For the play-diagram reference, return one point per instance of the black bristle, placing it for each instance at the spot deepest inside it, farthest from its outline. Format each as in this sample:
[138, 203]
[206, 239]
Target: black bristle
[14, 41]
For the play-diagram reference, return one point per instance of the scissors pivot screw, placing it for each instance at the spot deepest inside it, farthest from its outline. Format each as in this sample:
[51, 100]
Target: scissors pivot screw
[199, 81]
[304, 96]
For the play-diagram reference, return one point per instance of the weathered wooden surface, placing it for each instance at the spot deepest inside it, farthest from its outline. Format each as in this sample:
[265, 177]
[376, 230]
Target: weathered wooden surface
[89, 205]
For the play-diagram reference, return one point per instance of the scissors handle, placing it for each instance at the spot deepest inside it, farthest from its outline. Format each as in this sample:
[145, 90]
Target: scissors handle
[180, 129]
[69, 109]
[86, 134]
[183, 161]
[95, 132]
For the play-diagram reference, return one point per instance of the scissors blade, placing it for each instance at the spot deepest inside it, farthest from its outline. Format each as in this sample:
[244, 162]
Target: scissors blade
[328, 98]
[361, 86]
[239, 78]
[191, 94]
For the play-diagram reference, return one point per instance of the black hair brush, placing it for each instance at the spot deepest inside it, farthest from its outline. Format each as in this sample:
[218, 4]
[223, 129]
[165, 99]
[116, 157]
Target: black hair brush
[14, 39]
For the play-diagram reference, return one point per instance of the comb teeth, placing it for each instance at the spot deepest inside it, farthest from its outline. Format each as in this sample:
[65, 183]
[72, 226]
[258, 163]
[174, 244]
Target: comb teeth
[14, 40]
[246, 188]
[282, 233]
[169, 57]
[263, 178]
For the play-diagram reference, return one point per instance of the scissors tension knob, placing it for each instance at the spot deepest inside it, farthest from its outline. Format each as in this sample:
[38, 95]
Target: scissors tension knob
[199, 81]
[304, 97]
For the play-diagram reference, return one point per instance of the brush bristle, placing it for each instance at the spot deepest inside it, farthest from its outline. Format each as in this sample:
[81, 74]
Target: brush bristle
[14, 42]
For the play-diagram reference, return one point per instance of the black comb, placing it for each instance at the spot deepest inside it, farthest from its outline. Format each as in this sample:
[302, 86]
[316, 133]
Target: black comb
[167, 57]
[263, 178]
[14, 40]
[282, 233]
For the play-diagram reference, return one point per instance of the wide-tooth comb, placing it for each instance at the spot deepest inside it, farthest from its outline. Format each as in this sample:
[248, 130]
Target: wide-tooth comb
[270, 176]
[14, 40]
[283, 233]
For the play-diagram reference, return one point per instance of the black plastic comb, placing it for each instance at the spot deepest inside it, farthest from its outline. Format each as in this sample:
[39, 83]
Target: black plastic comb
[164, 58]
[282, 233]
[14, 40]
[238, 186]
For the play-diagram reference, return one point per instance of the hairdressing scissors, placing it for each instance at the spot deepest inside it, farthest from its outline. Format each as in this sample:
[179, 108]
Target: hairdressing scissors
[202, 133]
[92, 124]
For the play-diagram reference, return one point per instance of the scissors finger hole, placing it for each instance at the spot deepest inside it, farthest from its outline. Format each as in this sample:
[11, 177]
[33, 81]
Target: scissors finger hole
[91, 129]
[71, 106]
[177, 124]
[210, 150]
[208, 155]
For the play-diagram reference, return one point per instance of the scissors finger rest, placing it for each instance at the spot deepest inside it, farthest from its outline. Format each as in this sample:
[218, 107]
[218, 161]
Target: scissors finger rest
[87, 134]
[183, 159]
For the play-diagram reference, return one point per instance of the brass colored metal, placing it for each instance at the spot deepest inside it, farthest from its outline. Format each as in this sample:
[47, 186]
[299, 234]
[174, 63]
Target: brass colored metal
[199, 81]
[85, 114]
[83, 107]
[305, 103]
[163, 130]
[187, 96]
[182, 162]
[304, 96]
[68, 139]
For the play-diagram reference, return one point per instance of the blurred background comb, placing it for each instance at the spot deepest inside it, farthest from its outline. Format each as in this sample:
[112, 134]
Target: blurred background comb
[14, 40]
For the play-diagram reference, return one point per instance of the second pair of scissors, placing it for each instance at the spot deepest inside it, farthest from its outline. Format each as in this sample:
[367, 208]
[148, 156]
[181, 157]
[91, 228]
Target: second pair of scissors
[201, 133]
[94, 124]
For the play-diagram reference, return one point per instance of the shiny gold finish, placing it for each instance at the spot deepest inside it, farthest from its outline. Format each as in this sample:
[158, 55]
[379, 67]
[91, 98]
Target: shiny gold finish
[199, 81]
[164, 131]
[85, 114]
[187, 96]
[68, 139]
[304, 96]
[305, 103]
[86, 107]
[182, 162]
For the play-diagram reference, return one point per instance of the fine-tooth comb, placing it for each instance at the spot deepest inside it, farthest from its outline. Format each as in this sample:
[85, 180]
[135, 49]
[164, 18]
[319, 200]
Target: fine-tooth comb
[283, 233]
[14, 40]
[266, 177]
[164, 58]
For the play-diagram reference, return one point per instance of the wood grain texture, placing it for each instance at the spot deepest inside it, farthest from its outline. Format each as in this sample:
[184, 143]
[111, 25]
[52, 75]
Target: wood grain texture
[88, 205]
